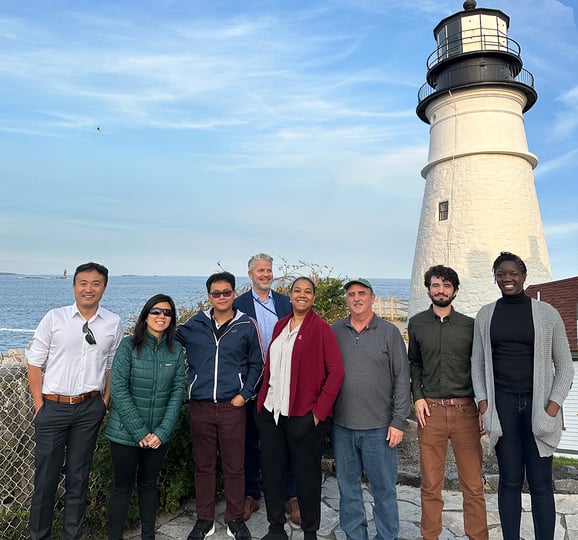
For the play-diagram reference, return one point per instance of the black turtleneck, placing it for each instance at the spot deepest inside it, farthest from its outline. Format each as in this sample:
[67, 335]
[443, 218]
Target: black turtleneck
[512, 335]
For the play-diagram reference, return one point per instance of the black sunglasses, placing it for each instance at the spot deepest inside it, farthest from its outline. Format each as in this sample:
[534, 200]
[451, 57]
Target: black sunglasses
[218, 294]
[157, 311]
[88, 335]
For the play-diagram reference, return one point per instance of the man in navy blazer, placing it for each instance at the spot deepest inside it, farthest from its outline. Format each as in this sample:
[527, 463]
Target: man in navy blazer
[266, 306]
[260, 294]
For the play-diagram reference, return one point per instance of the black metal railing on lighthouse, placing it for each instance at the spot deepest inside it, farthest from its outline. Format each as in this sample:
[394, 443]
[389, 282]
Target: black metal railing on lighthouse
[475, 58]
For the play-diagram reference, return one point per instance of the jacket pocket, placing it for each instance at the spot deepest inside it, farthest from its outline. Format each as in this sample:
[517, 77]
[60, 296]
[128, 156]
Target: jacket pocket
[548, 428]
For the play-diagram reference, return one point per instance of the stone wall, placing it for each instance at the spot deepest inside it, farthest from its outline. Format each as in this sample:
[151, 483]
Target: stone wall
[13, 357]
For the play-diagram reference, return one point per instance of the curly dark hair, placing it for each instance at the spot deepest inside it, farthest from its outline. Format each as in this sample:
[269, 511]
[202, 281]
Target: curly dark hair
[445, 273]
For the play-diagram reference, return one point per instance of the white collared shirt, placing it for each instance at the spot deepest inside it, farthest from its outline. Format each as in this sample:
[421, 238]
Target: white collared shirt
[70, 365]
[280, 354]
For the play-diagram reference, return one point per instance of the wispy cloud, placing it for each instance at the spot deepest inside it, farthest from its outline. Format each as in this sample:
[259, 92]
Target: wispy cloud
[207, 109]
[567, 119]
[564, 161]
[559, 231]
[262, 70]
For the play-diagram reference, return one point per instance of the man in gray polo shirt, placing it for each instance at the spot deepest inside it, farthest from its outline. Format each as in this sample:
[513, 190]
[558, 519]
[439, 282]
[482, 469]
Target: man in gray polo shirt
[370, 414]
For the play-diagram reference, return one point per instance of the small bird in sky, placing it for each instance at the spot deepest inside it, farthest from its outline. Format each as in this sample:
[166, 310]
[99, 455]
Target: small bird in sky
[98, 128]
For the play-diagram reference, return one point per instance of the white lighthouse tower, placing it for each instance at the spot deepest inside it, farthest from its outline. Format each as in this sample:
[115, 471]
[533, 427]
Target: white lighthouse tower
[479, 196]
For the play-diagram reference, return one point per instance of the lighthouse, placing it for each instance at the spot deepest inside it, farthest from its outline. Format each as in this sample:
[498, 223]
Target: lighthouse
[479, 196]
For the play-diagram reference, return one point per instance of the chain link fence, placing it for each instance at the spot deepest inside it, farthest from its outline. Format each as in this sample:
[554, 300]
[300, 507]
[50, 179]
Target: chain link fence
[16, 448]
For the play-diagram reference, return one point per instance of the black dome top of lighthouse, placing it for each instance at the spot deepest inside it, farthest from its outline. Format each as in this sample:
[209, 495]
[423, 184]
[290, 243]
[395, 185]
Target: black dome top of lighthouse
[474, 49]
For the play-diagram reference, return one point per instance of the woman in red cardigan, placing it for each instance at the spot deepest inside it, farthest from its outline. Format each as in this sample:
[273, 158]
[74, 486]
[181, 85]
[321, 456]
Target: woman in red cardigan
[303, 375]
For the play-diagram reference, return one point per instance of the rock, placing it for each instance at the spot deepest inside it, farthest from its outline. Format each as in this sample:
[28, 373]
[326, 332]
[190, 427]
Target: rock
[13, 357]
[566, 485]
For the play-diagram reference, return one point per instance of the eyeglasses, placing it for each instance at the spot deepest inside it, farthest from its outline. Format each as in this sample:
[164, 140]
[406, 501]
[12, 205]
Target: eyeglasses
[88, 335]
[218, 294]
[158, 311]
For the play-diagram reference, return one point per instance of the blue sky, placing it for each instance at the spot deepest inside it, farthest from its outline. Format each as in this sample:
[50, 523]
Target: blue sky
[165, 137]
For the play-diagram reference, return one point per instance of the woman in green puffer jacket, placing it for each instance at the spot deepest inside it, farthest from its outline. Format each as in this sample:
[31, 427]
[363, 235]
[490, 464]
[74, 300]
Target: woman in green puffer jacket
[147, 391]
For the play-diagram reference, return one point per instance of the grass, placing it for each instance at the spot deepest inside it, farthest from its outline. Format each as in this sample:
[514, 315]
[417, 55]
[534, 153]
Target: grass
[560, 461]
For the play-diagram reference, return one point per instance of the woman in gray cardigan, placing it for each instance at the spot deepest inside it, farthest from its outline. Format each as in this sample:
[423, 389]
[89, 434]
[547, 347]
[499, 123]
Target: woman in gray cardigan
[521, 371]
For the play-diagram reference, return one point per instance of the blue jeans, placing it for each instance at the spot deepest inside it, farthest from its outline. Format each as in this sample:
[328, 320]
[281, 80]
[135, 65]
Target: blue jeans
[517, 453]
[366, 450]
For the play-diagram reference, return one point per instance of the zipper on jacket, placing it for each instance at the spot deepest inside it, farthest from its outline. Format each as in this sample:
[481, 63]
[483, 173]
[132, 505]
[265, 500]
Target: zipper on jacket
[193, 384]
[216, 370]
[217, 341]
[155, 379]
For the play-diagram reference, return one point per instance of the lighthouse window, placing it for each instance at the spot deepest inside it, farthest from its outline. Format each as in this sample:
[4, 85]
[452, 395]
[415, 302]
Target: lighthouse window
[443, 210]
[449, 40]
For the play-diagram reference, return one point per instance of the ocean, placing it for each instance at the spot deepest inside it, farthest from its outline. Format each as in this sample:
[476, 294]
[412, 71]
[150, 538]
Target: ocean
[26, 298]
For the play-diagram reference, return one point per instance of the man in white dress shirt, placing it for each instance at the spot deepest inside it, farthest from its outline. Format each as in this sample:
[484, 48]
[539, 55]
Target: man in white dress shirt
[69, 365]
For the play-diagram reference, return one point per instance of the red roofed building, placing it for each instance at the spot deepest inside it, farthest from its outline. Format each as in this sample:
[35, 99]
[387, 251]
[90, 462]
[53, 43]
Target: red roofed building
[563, 295]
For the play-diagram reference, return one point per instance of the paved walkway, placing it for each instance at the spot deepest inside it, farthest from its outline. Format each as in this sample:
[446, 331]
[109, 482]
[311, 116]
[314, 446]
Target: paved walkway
[177, 527]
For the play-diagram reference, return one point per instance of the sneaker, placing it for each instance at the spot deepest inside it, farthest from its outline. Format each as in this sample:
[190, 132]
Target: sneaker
[238, 530]
[251, 505]
[202, 529]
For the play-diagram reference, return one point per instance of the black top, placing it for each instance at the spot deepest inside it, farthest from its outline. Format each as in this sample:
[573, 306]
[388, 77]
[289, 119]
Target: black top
[219, 329]
[512, 336]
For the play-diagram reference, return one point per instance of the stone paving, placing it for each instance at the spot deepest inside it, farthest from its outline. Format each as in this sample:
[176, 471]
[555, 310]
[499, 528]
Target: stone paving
[177, 527]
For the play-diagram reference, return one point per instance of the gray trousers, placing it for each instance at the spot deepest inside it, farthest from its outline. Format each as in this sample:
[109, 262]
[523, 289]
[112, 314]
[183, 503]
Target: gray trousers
[65, 441]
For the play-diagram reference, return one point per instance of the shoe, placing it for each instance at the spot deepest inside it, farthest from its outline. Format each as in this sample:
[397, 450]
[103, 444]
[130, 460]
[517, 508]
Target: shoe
[251, 505]
[276, 532]
[202, 529]
[292, 508]
[238, 530]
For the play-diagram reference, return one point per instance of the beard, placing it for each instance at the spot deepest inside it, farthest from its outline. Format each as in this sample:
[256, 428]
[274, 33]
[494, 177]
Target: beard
[261, 286]
[442, 302]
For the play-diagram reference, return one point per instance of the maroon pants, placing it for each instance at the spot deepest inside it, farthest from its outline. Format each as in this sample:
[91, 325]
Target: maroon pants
[459, 424]
[225, 423]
